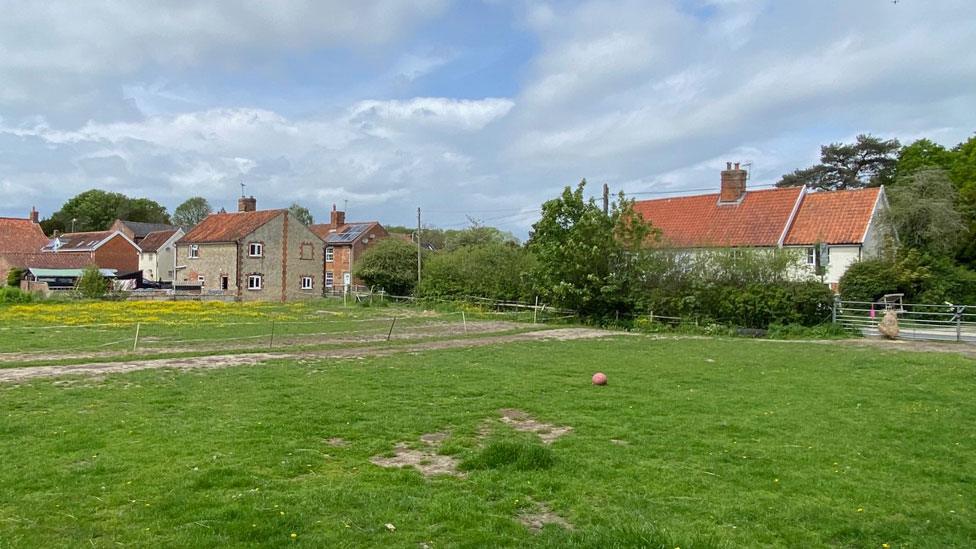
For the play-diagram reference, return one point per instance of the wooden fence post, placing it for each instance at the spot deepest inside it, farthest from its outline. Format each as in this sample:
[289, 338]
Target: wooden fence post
[135, 343]
[390, 334]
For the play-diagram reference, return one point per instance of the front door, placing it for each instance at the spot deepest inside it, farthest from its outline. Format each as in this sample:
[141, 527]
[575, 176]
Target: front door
[224, 282]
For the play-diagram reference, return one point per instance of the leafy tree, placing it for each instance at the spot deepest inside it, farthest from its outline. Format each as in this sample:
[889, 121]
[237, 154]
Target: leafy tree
[868, 162]
[91, 284]
[923, 213]
[301, 213]
[192, 211]
[390, 264]
[587, 260]
[95, 210]
[477, 235]
[922, 154]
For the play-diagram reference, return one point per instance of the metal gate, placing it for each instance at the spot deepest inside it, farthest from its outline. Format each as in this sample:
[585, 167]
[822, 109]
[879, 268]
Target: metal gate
[945, 322]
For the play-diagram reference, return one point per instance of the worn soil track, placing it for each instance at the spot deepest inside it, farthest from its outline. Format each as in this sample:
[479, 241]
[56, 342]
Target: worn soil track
[15, 375]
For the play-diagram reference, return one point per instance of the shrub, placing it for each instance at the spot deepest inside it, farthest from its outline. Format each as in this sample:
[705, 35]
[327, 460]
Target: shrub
[14, 276]
[494, 271]
[91, 284]
[869, 280]
[14, 295]
[390, 264]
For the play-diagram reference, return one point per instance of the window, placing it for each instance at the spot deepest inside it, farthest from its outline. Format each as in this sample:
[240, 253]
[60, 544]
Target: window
[329, 253]
[194, 251]
[825, 255]
[329, 279]
[306, 283]
[811, 256]
[255, 249]
[201, 280]
[224, 282]
[254, 282]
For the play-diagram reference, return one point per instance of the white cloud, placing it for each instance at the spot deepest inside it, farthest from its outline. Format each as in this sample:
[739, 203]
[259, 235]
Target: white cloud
[645, 95]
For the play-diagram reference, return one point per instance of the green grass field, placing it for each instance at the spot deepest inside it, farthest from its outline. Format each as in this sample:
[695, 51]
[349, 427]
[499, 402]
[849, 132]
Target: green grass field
[694, 443]
[186, 327]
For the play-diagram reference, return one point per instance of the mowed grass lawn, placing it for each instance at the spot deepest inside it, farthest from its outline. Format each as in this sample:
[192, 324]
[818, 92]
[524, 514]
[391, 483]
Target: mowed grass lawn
[718, 443]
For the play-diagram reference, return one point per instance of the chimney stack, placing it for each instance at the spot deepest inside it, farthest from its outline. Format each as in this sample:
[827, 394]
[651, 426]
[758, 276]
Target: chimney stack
[733, 184]
[247, 204]
[34, 216]
[337, 217]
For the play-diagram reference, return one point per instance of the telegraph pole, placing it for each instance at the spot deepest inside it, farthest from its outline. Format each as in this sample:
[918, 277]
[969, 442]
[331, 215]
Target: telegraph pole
[606, 199]
[418, 245]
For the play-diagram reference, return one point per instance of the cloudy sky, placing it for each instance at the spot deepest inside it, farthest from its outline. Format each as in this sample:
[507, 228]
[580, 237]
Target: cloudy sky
[466, 108]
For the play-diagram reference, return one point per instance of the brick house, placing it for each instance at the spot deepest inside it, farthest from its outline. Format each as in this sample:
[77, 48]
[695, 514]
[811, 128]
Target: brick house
[106, 249]
[344, 242]
[157, 261]
[254, 255]
[137, 230]
[832, 229]
[20, 239]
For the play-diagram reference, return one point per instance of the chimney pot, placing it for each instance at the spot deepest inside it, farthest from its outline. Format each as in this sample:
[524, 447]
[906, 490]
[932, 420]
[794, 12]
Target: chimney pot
[247, 204]
[728, 165]
[733, 184]
[34, 216]
[337, 217]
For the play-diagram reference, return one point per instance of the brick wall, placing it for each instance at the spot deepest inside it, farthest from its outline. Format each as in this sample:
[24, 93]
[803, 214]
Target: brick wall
[118, 253]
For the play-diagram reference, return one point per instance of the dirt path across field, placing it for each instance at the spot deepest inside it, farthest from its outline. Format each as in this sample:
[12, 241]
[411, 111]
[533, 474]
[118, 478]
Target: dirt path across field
[15, 375]
[151, 346]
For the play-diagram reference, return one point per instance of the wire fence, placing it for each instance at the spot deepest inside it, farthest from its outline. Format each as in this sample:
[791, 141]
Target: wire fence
[946, 322]
[387, 318]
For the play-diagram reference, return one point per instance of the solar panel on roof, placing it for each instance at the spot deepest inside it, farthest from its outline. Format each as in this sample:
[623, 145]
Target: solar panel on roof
[349, 234]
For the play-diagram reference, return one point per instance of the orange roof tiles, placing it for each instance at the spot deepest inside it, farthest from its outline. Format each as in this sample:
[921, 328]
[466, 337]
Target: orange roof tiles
[155, 239]
[229, 227]
[701, 222]
[836, 217]
[20, 236]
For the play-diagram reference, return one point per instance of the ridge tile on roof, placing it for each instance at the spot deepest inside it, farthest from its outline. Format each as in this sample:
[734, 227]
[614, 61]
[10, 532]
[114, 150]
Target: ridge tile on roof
[228, 227]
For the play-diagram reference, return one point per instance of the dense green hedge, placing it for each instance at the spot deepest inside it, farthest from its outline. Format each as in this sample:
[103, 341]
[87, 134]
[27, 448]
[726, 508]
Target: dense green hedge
[751, 305]
[921, 278]
[493, 271]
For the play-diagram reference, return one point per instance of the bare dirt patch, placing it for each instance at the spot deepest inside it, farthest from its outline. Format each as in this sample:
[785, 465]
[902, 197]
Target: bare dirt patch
[336, 441]
[521, 421]
[426, 460]
[536, 519]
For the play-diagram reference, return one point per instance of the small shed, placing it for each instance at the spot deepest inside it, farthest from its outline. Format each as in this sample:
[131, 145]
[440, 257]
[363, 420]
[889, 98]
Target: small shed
[62, 279]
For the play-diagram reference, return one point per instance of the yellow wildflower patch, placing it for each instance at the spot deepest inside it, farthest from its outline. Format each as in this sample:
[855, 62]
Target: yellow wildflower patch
[131, 312]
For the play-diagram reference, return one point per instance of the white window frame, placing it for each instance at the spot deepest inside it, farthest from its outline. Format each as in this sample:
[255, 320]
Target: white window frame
[251, 247]
[310, 283]
[194, 251]
[329, 279]
[812, 255]
[250, 282]
[329, 254]
[202, 280]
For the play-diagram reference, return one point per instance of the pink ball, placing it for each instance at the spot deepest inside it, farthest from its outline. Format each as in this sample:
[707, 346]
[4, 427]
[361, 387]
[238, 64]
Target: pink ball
[599, 378]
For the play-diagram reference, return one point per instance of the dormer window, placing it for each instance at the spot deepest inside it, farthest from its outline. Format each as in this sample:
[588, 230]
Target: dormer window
[255, 249]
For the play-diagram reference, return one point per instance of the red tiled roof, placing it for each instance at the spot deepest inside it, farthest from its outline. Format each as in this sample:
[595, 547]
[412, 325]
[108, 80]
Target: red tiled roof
[20, 235]
[155, 239]
[701, 222]
[837, 217]
[79, 241]
[228, 227]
